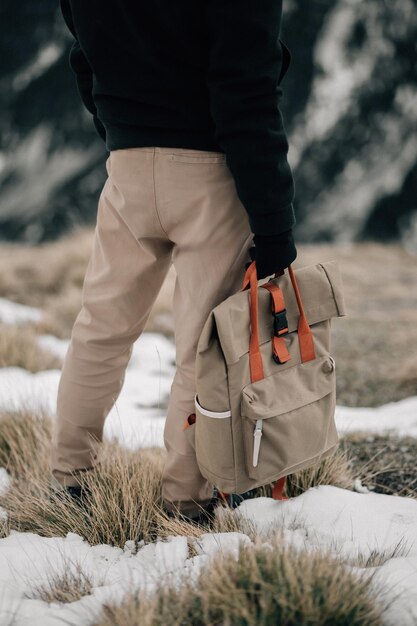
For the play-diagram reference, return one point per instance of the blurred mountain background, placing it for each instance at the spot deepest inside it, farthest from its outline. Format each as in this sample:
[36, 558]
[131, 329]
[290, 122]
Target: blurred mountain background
[349, 106]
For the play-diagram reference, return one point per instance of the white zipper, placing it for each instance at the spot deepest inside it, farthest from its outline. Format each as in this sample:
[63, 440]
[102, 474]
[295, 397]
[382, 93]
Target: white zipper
[257, 434]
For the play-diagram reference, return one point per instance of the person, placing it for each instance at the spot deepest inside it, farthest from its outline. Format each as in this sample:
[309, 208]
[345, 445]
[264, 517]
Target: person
[185, 95]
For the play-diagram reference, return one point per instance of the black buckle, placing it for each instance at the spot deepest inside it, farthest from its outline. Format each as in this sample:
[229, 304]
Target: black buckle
[280, 323]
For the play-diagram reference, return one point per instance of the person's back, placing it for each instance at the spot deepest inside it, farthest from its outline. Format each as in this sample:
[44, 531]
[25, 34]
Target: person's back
[178, 91]
[201, 74]
[150, 62]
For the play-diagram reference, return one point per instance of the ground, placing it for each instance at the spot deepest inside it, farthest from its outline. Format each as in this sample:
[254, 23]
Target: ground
[349, 524]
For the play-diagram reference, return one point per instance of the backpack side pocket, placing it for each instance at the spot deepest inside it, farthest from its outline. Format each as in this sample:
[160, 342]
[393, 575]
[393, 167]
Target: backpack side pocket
[214, 442]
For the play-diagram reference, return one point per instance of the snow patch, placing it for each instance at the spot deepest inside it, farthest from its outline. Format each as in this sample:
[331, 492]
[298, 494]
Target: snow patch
[14, 313]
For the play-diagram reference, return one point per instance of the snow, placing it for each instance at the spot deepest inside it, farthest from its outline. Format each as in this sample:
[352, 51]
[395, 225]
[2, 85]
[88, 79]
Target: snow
[138, 416]
[398, 418]
[4, 481]
[28, 562]
[13, 313]
[349, 524]
[137, 419]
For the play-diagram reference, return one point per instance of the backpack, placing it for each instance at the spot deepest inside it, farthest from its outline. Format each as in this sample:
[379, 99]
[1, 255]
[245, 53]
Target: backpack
[266, 380]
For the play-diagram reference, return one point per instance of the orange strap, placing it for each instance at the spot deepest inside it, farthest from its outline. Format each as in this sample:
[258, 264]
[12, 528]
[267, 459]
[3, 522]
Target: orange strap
[189, 420]
[279, 347]
[278, 489]
[255, 358]
[223, 495]
[305, 336]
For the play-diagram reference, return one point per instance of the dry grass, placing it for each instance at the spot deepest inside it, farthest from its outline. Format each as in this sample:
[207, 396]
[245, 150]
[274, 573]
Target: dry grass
[49, 269]
[4, 528]
[126, 494]
[262, 586]
[19, 348]
[378, 557]
[380, 283]
[265, 585]
[71, 586]
[333, 470]
[125, 500]
[24, 443]
[123, 504]
[384, 463]
[50, 276]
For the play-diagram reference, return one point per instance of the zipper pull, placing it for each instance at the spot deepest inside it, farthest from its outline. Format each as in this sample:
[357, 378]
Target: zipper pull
[257, 434]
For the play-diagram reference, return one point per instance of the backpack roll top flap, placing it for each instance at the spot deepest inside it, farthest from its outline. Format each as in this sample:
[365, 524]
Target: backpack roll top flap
[288, 419]
[322, 294]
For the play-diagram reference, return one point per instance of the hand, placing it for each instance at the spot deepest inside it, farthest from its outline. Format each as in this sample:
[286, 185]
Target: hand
[273, 253]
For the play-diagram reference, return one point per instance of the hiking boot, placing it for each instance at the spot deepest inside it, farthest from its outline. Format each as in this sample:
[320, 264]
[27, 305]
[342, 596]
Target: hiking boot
[234, 499]
[206, 515]
[78, 493]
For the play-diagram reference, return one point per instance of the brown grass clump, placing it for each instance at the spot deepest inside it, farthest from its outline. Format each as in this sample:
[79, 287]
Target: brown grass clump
[4, 528]
[24, 443]
[123, 502]
[265, 584]
[332, 470]
[126, 489]
[55, 273]
[384, 463]
[50, 268]
[70, 586]
[19, 348]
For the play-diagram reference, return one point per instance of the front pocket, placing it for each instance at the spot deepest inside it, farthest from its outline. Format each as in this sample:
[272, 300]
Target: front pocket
[288, 419]
[214, 442]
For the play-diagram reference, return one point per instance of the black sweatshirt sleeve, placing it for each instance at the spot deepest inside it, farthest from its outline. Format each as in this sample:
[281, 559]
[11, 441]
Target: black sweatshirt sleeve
[247, 62]
[80, 66]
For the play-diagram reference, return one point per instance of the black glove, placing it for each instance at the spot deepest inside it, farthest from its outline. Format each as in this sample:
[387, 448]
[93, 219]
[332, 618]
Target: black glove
[272, 253]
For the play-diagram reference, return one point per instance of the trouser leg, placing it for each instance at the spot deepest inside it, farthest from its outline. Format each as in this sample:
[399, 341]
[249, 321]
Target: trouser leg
[124, 275]
[212, 242]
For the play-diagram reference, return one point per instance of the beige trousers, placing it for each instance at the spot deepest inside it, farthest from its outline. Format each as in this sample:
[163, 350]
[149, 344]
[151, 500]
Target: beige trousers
[158, 206]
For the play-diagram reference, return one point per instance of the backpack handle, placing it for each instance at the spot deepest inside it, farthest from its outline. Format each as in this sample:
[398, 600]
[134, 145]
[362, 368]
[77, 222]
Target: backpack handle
[305, 336]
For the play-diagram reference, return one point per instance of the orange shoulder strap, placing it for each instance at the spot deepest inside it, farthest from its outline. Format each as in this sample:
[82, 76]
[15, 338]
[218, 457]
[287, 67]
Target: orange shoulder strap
[305, 336]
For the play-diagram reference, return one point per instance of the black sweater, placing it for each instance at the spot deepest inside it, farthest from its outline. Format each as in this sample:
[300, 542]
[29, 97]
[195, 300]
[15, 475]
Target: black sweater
[202, 74]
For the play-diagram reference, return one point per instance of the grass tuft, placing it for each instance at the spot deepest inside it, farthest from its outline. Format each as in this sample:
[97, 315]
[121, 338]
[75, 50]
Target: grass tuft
[19, 348]
[70, 586]
[265, 585]
[126, 489]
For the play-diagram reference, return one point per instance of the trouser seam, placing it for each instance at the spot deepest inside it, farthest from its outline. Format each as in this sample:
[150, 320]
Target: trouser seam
[154, 196]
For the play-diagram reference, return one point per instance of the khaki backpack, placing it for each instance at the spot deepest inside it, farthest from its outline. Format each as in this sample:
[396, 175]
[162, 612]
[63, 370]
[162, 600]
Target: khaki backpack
[266, 383]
